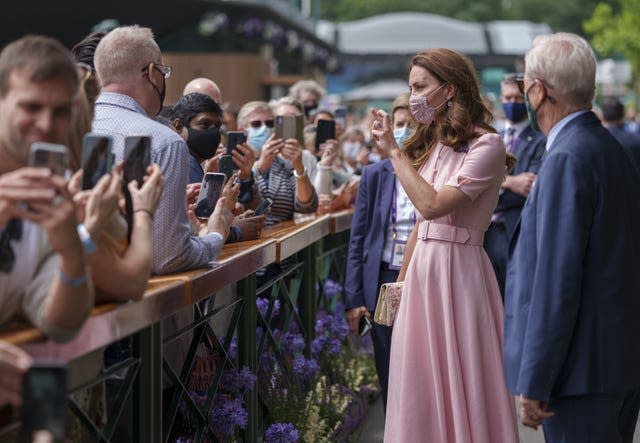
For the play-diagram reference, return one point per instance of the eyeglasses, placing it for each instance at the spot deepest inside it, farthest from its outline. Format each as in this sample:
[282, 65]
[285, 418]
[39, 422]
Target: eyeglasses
[258, 123]
[520, 83]
[162, 69]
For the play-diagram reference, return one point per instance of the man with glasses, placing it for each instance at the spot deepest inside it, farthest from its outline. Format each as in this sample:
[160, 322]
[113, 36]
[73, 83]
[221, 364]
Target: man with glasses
[43, 268]
[527, 145]
[129, 64]
[572, 352]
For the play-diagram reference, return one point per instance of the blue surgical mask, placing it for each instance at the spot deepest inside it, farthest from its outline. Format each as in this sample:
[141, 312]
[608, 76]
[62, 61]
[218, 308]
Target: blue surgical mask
[257, 137]
[514, 111]
[402, 134]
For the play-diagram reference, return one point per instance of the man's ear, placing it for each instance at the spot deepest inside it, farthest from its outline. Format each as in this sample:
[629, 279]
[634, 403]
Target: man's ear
[177, 124]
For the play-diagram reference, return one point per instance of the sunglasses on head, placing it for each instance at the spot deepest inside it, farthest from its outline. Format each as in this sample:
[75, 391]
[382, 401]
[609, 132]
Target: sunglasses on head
[520, 83]
[258, 123]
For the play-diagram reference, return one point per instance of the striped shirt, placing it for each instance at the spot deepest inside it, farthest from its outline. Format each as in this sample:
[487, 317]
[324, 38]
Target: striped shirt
[279, 184]
[174, 248]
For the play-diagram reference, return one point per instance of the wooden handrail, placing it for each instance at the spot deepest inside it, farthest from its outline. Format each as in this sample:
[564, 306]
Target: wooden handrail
[167, 294]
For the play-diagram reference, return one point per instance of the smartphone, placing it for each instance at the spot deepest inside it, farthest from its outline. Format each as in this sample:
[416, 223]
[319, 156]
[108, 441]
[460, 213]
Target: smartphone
[325, 130]
[364, 326]
[263, 207]
[210, 192]
[235, 138]
[137, 158]
[290, 126]
[226, 165]
[341, 116]
[97, 158]
[49, 155]
[44, 400]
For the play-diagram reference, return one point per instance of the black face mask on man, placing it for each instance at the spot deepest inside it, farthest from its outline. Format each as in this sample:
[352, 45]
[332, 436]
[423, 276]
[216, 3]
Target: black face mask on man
[203, 142]
[160, 94]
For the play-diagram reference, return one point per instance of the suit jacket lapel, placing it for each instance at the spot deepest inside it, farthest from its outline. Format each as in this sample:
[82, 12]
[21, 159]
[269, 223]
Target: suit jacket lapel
[387, 187]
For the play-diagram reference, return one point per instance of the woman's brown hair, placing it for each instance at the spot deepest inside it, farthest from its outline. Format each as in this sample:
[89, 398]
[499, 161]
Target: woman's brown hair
[456, 124]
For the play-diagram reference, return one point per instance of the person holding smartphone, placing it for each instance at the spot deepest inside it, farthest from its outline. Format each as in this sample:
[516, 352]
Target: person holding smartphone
[382, 220]
[43, 270]
[280, 172]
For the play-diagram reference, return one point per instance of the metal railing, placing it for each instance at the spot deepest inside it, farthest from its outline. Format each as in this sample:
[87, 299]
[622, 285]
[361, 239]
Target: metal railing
[204, 318]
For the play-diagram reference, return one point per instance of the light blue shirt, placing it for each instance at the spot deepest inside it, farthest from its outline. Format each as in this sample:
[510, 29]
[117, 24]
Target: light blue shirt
[561, 124]
[174, 248]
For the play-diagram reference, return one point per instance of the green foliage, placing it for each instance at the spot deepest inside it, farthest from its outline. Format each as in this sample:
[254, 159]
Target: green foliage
[617, 32]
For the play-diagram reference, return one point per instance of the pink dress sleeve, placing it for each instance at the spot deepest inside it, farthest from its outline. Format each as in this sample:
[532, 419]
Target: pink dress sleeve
[482, 166]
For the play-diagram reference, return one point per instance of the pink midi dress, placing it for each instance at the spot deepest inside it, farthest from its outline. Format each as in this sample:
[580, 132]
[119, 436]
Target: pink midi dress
[446, 381]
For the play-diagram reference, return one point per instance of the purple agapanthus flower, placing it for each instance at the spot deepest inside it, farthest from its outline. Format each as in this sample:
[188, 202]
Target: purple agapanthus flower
[305, 369]
[228, 414]
[292, 344]
[331, 288]
[235, 382]
[282, 433]
[263, 307]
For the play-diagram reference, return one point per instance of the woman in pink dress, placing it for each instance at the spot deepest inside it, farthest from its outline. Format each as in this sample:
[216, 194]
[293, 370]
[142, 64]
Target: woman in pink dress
[446, 381]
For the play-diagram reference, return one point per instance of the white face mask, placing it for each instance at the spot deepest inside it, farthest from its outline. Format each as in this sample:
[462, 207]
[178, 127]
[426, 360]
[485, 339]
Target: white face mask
[402, 134]
[351, 149]
[257, 137]
[420, 108]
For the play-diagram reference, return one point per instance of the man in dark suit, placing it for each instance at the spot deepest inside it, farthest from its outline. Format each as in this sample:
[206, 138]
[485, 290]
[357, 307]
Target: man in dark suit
[382, 220]
[527, 146]
[572, 315]
[613, 120]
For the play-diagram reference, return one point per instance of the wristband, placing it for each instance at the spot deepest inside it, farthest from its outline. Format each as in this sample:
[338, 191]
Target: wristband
[296, 175]
[85, 238]
[72, 282]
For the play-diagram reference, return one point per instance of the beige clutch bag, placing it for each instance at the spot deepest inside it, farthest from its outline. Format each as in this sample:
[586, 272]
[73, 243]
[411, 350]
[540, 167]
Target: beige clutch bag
[388, 302]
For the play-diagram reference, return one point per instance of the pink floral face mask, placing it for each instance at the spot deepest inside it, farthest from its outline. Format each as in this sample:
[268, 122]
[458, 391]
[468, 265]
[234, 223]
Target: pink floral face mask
[420, 108]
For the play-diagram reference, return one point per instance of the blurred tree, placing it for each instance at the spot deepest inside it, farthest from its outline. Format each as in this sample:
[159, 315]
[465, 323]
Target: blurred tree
[616, 32]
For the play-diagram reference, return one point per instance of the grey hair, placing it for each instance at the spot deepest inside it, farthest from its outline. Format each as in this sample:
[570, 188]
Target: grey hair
[306, 85]
[123, 52]
[287, 101]
[250, 108]
[567, 65]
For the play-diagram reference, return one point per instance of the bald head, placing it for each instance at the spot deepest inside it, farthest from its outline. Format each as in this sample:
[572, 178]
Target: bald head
[204, 86]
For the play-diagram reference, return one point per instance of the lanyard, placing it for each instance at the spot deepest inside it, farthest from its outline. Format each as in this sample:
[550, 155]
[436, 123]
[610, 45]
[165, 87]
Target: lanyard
[394, 213]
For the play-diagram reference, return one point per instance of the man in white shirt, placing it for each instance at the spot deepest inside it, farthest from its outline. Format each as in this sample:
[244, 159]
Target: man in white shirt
[43, 269]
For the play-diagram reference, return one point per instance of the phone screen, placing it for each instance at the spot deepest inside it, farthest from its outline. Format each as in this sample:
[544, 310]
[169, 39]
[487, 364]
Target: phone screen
[341, 116]
[290, 126]
[263, 207]
[44, 397]
[210, 192]
[226, 165]
[325, 130]
[97, 159]
[49, 155]
[235, 138]
[137, 157]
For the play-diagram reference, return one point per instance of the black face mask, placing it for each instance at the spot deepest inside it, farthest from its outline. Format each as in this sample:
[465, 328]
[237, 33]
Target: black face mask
[204, 142]
[309, 108]
[161, 94]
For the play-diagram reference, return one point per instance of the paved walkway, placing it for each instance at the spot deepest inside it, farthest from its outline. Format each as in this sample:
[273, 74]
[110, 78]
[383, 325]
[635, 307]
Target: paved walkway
[373, 431]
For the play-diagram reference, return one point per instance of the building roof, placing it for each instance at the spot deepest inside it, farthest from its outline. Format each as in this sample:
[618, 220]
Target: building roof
[406, 33]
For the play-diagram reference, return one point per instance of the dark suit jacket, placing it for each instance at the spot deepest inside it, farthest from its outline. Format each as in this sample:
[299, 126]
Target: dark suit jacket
[368, 228]
[628, 139]
[572, 318]
[528, 150]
